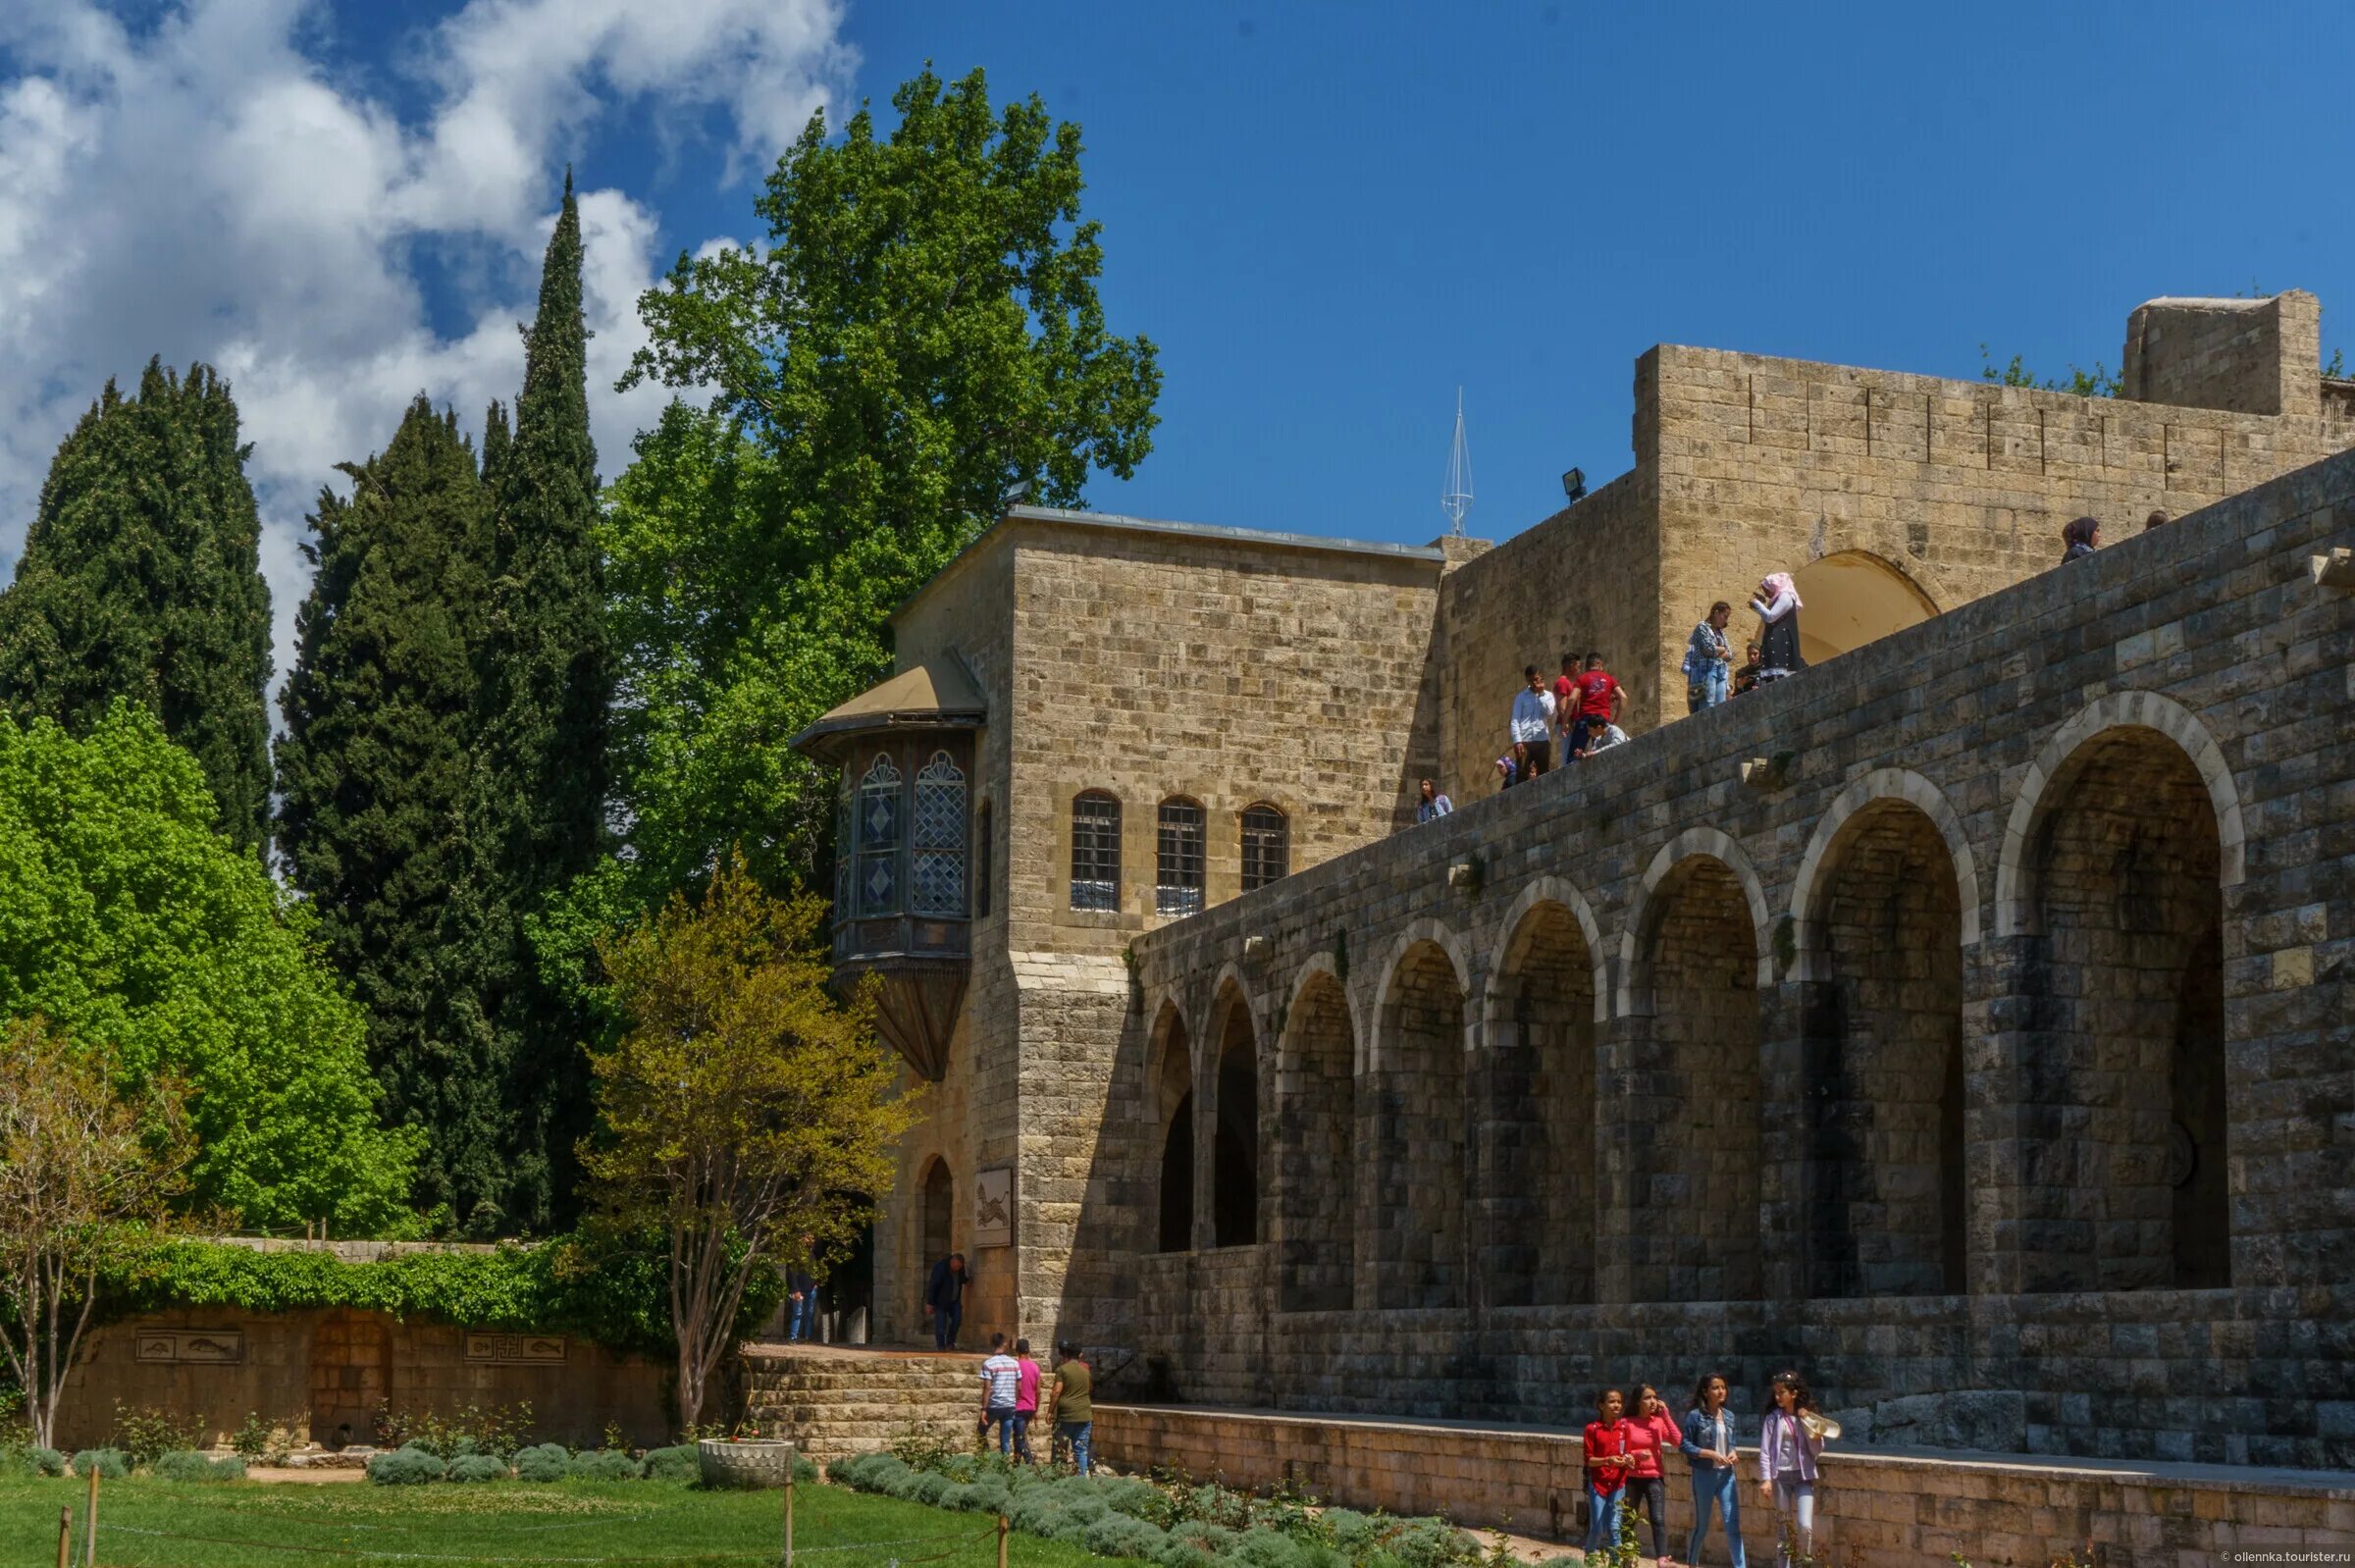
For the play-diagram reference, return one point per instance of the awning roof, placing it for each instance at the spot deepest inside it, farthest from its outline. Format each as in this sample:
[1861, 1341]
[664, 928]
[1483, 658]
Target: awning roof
[938, 694]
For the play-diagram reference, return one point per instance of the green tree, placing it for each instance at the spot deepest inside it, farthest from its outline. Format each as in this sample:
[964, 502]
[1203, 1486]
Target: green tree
[740, 1106]
[129, 922]
[85, 1177]
[919, 345]
[374, 771]
[142, 579]
[2081, 383]
[538, 813]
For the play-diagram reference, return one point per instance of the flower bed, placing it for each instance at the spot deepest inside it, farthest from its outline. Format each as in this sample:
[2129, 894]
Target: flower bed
[1175, 1524]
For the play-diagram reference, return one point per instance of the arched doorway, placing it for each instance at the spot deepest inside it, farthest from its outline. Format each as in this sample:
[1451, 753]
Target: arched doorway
[1174, 1118]
[1234, 1149]
[1536, 1158]
[1882, 1206]
[1691, 1099]
[1417, 1203]
[2122, 1072]
[939, 1214]
[1316, 1140]
[1853, 597]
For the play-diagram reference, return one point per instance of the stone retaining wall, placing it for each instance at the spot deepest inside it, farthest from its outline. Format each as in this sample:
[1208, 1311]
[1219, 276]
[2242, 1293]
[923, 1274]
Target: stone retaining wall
[1875, 1509]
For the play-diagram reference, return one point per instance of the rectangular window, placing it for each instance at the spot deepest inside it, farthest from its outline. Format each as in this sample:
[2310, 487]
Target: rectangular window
[1266, 847]
[1178, 870]
[1095, 851]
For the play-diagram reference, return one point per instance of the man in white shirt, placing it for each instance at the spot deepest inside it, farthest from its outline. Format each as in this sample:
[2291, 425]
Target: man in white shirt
[1001, 1378]
[1533, 720]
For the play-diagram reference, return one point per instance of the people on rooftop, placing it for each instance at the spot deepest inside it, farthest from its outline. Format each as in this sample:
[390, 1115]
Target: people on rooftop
[1533, 722]
[1778, 605]
[1433, 805]
[1709, 661]
[2081, 538]
[1598, 694]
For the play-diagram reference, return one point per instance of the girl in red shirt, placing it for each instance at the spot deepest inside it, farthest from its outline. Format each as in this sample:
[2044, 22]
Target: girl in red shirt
[1651, 1432]
[1607, 1462]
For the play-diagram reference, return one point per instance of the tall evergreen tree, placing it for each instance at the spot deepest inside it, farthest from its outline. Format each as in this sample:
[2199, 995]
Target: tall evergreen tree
[142, 579]
[374, 774]
[546, 682]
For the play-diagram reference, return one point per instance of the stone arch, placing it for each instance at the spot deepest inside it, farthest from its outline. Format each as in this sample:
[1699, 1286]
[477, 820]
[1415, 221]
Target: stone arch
[1232, 1075]
[1316, 1144]
[1533, 1090]
[1688, 1087]
[1881, 784]
[2117, 1050]
[1855, 596]
[1415, 1202]
[1881, 1179]
[1421, 930]
[1562, 891]
[1171, 1119]
[2056, 765]
[1635, 997]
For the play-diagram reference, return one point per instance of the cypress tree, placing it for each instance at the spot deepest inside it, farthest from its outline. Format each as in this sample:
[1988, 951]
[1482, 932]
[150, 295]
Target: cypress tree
[546, 683]
[374, 777]
[142, 579]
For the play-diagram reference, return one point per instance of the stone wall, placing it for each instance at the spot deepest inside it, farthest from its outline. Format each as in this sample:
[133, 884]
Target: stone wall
[315, 1371]
[2251, 356]
[2050, 849]
[1873, 1509]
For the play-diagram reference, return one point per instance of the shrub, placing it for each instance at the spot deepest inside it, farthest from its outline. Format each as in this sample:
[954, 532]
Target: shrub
[186, 1465]
[603, 1465]
[1139, 1499]
[675, 1463]
[148, 1433]
[958, 1497]
[871, 1472]
[251, 1439]
[928, 1487]
[1353, 1530]
[1183, 1552]
[992, 1496]
[404, 1467]
[1071, 1529]
[1214, 1540]
[44, 1462]
[1119, 1535]
[1037, 1512]
[805, 1470]
[1085, 1506]
[478, 1467]
[1430, 1543]
[1263, 1547]
[546, 1461]
[112, 1463]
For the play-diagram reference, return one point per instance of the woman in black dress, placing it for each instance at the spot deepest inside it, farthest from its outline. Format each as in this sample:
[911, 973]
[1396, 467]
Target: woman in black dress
[1777, 606]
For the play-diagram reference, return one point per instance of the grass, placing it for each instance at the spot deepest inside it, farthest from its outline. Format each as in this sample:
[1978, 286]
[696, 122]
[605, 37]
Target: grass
[145, 1523]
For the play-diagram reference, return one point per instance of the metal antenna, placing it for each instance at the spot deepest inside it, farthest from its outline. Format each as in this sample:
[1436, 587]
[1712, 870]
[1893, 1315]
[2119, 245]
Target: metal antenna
[1456, 499]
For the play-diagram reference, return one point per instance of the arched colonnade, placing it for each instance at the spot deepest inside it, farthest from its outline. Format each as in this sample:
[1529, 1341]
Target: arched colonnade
[1915, 1068]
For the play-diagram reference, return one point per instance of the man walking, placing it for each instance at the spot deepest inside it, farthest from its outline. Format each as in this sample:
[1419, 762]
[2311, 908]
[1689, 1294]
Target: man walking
[1533, 720]
[1597, 697]
[944, 1300]
[1001, 1382]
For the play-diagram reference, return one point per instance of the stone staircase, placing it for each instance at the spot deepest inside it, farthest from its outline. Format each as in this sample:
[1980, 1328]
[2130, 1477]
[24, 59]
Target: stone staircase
[834, 1401]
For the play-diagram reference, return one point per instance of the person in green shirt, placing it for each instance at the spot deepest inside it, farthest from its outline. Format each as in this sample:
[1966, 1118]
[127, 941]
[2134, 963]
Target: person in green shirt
[1075, 1413]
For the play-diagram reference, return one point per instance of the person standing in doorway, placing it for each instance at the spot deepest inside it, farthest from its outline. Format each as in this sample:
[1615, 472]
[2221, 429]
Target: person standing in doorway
[1710, 1444]
[1074, 1408]
[1533, 720]
[1026, 1399]
[1786, 1453]
[1433, 805]
[1001, 1385]
[1778, 606]
[1599, 695]
[801, 1293]
[1607, 1464]
[1709, 661]
[944, 1300]
[1652, 1432]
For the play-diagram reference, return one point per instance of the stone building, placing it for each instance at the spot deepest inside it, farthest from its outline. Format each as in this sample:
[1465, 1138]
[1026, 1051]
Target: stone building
[1966, 1020]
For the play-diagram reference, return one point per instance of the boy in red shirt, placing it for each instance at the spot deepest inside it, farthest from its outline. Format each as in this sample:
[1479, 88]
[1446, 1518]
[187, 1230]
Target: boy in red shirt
[1607, 1464]
[1596, 695]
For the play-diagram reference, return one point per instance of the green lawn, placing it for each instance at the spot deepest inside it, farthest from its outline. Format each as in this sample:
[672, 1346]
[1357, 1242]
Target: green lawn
[144, 1523]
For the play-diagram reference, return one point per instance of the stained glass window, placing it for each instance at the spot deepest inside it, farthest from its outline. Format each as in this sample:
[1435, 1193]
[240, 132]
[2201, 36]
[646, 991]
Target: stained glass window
[936, 871]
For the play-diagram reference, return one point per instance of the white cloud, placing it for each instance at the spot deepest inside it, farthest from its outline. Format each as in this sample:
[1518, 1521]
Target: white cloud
[204, 189]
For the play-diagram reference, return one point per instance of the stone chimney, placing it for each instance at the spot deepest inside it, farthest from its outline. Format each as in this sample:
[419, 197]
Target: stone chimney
[2244, 356]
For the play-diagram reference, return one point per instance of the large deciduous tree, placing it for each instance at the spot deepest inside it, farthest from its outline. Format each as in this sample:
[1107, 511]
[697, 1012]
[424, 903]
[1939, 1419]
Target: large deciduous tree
[374, 773]
[545, 679]
[742, 1107]
[127, 920]
[142, 580]
[85, 1174]
[918, 344]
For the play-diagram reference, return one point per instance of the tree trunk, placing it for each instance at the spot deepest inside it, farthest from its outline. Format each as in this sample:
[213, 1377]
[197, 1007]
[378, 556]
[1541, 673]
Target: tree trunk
[691, 1382]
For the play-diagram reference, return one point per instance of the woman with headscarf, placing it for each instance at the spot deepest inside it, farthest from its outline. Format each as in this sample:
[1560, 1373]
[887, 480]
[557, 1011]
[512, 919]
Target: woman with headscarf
[1777, 606]
[2083, 537]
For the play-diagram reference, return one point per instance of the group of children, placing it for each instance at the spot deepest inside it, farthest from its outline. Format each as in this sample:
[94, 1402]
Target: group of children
[1625, 1454]
[1010, 1388]
[1581, 709]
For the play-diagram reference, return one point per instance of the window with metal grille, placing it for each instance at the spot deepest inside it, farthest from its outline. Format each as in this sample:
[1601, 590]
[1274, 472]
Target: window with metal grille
[982, 852]
[1177, 865]
[879, 812]
[936, 869]
[1095, 851]
[1266, 847]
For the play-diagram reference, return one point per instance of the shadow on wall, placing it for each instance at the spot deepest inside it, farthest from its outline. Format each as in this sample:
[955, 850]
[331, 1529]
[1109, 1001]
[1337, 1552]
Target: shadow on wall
[1852, 597]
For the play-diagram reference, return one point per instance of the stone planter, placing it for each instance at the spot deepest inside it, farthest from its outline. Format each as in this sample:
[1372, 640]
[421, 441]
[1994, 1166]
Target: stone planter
[761, 1463]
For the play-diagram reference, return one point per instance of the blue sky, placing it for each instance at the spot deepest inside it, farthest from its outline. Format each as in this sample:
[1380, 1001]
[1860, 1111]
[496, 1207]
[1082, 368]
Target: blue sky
[1328, 216]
